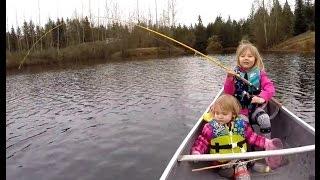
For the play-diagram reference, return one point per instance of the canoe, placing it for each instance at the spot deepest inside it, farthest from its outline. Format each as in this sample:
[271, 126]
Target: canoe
[297, 136]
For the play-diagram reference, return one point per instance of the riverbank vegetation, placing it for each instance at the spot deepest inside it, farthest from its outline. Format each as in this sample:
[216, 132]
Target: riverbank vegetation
[81, 39]
[304, 42]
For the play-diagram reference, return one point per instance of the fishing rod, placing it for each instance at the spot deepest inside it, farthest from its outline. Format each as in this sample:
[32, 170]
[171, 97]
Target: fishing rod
[214, 60]
[206, 57]
[24, 58]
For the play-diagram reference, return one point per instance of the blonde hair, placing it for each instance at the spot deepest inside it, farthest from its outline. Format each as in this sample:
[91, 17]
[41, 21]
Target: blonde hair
[246, 45]
[227, 103]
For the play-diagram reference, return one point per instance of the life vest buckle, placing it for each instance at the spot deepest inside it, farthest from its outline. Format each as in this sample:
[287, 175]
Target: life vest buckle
[234, 145]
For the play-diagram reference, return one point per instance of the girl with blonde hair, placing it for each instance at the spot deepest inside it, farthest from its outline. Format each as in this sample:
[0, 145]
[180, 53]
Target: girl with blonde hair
[250, 66]
[228, 132]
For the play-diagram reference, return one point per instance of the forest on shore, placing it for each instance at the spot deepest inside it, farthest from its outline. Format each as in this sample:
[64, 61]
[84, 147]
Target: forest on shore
[83, 38]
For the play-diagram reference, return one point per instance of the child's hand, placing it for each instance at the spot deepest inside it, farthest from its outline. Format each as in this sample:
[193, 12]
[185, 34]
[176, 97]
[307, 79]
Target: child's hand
[257, 100]
[267, 143]
[195, 153]
[230, 73]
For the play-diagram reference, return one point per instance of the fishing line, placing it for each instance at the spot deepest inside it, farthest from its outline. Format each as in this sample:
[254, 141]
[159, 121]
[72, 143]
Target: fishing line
[210, 59]
[24, 58]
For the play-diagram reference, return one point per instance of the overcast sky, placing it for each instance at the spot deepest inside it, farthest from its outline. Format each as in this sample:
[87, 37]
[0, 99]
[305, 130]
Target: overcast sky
[187, 11]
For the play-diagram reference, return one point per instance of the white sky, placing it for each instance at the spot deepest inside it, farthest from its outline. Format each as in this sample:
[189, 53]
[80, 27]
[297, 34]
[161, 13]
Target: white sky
[187, 11]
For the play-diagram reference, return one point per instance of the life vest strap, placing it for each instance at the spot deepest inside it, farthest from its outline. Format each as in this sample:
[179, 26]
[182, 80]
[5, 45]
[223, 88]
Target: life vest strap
[217, 147]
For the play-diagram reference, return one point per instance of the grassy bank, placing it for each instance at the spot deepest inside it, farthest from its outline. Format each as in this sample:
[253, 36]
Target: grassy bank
[89, 52]
[114, 51]
[81, 52]
[304, 42]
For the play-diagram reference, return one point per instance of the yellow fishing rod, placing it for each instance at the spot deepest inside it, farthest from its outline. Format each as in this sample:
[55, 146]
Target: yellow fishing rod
[24, 58]
[213, 60]
[210, 59]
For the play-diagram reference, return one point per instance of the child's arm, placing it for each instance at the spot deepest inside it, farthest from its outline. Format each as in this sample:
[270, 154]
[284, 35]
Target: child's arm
[229, 85]
[253, 138]
[202, 143]
[267, 88]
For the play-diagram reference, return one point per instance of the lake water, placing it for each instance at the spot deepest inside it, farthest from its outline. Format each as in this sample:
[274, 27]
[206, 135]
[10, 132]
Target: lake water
[124, 120]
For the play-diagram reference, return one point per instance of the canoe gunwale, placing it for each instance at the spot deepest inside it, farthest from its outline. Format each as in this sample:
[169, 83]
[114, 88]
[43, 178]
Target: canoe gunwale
[305, 125]
[255, 154]
[173, 160]
[177, 157]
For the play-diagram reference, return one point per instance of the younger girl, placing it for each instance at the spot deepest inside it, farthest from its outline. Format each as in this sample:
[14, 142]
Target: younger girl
[227, 133]
[250, 67]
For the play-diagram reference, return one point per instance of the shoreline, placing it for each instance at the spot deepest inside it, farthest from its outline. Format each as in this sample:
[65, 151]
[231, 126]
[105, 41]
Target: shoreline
[137, 54]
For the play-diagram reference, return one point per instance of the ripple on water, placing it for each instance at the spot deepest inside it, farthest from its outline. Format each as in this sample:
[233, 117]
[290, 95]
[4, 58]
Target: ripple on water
[124, 119]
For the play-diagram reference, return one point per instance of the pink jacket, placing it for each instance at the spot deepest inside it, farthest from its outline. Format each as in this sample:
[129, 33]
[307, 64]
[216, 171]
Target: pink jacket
[202, 143]
[267, 88]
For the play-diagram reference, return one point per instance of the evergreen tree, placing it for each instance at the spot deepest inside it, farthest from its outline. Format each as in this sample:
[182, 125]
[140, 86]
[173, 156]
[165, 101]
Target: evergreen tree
[245, 29]
[8, 41]
[309, 15]
[236, 33]
[32, 33]
[257, 27]
[62, 34]
[39, 33]
[201, 37]
[26, 35]
[300, 25]
[184, 35]
[209, 30]
[48, 39]
[275, 25]
[87, 29]
[19, 37]
[218, 26]
[226, 34]
[287, 19]
[13, 40]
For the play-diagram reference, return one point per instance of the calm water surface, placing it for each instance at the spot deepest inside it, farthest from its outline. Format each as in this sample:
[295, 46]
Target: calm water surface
[124, 120]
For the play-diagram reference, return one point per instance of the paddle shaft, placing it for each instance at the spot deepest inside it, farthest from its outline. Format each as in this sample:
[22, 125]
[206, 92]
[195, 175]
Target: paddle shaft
[247, 155]
[227, 164]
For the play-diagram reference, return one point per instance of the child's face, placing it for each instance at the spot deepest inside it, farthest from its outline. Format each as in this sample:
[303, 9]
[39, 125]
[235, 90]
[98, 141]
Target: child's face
[246, 59]
[221, 116]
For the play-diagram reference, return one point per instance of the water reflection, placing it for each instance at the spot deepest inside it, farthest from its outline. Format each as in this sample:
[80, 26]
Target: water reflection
[294, 79]
[121, 120]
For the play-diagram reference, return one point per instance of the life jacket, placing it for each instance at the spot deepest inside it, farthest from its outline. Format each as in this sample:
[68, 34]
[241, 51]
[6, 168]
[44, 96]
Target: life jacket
[243, 91]
[228, 140]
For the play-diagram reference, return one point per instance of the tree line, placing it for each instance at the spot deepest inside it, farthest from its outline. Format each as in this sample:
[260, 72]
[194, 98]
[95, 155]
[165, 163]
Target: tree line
[265, 26]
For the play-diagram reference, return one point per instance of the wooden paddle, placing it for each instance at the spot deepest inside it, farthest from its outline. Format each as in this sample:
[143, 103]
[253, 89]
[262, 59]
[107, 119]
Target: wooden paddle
[222, 165]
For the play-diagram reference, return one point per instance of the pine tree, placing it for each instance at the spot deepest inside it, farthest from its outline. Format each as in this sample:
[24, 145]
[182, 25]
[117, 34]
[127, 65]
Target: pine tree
[275, 26]
[19, 36]
[309, 15]
[287, 19]
[13, 40]
[26, 35]
[300, 25]
[201, 36]
[87, 29]
[226, 34]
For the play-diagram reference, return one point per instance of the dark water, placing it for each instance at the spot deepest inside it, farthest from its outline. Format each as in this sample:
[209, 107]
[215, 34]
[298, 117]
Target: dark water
[124, 120]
